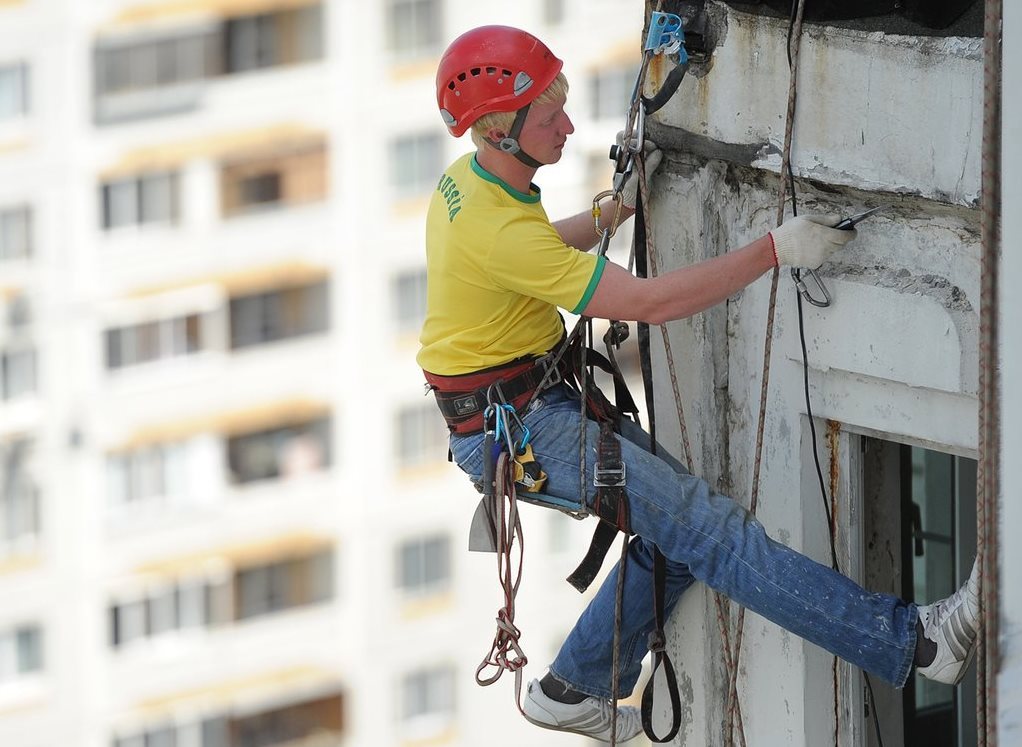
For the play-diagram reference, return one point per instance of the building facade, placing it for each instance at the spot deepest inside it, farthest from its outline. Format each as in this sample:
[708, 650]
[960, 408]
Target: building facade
[226, 516]
[870, 433]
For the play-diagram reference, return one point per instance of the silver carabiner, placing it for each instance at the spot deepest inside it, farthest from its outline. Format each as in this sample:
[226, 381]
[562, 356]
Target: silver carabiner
[804, 291]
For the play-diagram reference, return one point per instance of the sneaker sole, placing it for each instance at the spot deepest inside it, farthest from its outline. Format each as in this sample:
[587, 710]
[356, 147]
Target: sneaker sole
[568, 729]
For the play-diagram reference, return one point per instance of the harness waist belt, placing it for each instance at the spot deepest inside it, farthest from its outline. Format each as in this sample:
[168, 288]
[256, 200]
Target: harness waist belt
[462, 399]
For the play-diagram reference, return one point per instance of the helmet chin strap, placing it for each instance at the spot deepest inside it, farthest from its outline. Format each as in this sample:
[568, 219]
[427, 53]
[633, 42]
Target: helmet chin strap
[510, 143]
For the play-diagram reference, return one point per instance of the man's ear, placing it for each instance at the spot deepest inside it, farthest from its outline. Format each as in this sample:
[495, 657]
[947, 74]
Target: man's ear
[495, 134]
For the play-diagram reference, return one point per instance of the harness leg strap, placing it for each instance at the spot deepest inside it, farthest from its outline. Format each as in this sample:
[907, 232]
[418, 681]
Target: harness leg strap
[611, 506]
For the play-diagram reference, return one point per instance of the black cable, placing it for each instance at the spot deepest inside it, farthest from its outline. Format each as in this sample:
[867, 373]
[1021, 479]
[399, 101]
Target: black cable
[809, 405]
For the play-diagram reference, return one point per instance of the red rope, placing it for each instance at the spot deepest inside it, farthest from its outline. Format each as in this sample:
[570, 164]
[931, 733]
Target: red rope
[506, 653]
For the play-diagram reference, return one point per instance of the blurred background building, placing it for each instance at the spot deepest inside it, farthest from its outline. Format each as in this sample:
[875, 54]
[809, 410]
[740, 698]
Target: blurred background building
[226, 514]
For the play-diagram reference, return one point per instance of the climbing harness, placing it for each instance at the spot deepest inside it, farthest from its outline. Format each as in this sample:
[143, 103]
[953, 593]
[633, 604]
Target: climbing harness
[491, 400]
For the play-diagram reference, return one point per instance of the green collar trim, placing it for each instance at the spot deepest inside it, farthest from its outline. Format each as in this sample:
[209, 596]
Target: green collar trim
[532, 196]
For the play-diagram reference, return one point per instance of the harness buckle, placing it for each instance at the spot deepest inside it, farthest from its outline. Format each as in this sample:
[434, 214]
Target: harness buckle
[609, 476]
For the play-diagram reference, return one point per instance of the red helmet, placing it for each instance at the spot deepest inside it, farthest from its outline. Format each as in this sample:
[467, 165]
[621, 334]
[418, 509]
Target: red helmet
[491, 69]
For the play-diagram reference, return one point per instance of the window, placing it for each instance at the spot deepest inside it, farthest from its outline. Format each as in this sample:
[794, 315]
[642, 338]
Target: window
[312, 722]
[553, 12]
[270, 39]
[285, 451]
[421, 435]
[148, 475]
[249, 43]
[260, 188]
[19, 494]
[409, 299]
[429, 692]
[424, 565]
[21, 651]
[15, 233]
[920, 506]
[414, 27]
[138, 200]
[17, 348]
[152, 341]
[283, 585]
[182, 605]
[278, 315]
[290, 724]
[611, 90]
[416, 162]
[17, 370]
[151, 65]
[275, 180]
[13, 91]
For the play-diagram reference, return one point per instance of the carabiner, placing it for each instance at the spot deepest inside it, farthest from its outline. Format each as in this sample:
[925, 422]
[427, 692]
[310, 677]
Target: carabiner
[804, 291]
[598, 211]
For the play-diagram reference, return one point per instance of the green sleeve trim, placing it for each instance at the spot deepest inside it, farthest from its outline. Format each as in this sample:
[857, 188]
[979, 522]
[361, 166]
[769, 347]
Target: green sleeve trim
[601, 262]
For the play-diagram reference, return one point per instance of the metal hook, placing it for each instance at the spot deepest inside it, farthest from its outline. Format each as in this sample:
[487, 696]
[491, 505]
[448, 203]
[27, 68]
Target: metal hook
[804, 291]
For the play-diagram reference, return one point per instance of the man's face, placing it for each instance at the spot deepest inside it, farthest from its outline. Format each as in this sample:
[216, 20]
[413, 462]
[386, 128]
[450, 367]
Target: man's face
[546, 129]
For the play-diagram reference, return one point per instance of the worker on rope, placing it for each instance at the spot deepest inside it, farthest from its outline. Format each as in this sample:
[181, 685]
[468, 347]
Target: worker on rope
[498, 269]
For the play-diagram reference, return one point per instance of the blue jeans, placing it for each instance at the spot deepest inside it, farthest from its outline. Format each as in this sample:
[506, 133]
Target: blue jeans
[704, 536]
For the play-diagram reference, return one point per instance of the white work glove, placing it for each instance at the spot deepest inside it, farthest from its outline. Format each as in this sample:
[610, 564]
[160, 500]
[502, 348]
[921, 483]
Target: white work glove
[652, 155]
[808, 240]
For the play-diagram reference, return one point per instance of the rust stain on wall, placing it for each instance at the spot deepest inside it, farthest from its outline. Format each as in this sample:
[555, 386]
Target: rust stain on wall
[833, 429]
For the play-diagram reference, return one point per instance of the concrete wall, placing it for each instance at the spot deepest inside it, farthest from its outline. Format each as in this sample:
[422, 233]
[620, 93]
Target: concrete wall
[881, 120]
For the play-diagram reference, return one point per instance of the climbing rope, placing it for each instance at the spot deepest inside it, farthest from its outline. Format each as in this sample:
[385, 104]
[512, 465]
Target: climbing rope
[988, 467]
[506, 653]
[733, 707]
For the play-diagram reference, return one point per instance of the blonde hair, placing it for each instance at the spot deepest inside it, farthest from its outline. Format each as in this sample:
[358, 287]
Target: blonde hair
[557, 89]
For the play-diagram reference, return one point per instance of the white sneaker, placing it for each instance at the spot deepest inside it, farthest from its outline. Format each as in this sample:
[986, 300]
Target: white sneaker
[952, 624]
[591, 717]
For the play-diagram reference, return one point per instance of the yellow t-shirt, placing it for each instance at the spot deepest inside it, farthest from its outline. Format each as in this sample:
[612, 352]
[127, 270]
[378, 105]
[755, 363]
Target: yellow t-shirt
[496, 272]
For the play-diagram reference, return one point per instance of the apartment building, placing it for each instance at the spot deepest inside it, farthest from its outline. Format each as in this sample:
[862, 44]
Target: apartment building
[226, 514]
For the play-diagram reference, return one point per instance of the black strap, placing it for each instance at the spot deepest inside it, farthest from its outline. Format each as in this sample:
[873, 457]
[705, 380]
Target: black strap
[510, 143]
[583, 576]
[657, 637]
[658, 648]
[667, 90]
[458, 407]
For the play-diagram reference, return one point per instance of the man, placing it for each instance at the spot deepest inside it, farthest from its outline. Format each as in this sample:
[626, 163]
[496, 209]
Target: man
[498, 270]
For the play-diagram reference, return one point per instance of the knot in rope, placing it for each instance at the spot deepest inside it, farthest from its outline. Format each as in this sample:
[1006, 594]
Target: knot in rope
[657, 642]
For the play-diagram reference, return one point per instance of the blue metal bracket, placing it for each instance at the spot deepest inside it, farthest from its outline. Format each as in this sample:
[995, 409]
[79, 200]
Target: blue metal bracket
[665, 35]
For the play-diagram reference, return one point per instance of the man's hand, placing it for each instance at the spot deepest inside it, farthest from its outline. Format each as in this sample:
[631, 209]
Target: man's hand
[652, 157]
[808, 240]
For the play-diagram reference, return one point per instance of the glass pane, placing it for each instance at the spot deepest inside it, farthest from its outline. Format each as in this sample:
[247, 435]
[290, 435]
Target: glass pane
[14, 233]
[933, 570]
[30, 650]
[253, 587]
[143, 66]
[192, 604]
[157, 198]
[19, 373]
[410, 299]
[113, 349]
[120, 202]
[13, 93]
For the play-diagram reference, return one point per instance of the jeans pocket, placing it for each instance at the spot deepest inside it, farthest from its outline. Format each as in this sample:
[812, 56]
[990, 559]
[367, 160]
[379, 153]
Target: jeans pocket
[468, 453]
